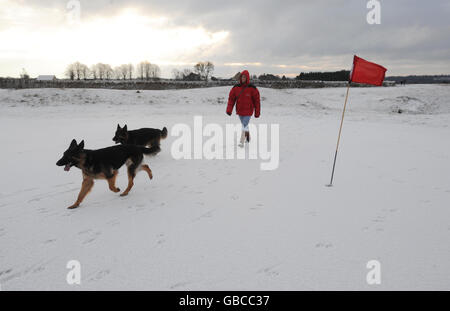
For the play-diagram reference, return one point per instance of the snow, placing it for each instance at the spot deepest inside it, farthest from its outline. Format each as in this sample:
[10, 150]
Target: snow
[225, 224]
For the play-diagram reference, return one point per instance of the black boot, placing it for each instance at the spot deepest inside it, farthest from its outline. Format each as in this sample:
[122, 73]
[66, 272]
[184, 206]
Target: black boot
[247, 136]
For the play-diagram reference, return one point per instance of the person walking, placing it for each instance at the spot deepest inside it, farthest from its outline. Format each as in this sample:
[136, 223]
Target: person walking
[246, 98]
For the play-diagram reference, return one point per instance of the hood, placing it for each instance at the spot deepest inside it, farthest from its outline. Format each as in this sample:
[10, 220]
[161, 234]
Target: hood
[245, 73]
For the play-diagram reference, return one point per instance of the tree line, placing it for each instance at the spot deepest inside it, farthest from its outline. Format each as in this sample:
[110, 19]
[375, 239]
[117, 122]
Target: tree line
[143, 70]
[342, 75]
[200, 71]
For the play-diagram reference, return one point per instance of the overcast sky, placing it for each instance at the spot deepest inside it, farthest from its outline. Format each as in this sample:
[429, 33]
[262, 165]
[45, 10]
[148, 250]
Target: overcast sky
[280, 37]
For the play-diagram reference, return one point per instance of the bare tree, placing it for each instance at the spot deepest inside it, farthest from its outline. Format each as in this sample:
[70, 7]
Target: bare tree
[94, 72]
[109, 72]
[102, 71]
[117, 73]
[24, 75]
[140, 70]
[84, 71]
[209, 69]
[130, 69]
[98, 71]
[121, 71]
[199, 68]
[204, 69]
[77, 69]
[70, 72]
[155, 71]
[147, 69]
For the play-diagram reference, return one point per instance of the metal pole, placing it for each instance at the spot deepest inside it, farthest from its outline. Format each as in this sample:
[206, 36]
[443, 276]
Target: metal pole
[339, 137]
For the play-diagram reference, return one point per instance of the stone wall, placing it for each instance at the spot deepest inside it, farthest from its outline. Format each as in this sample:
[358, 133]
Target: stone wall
[11, 83]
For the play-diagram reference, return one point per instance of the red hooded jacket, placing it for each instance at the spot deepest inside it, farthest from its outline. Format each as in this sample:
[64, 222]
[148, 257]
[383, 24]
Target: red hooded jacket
[247, 96]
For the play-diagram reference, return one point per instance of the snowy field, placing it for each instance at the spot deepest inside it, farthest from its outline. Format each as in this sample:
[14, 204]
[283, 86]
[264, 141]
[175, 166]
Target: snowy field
[225, 224]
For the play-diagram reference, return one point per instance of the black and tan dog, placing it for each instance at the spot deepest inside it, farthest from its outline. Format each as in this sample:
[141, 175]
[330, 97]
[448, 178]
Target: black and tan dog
[104, 164]
[142, 137]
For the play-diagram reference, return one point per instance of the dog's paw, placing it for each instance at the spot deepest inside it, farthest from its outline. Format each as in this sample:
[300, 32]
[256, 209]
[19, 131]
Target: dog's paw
[123, 194]
[72, 206]
[117, 190]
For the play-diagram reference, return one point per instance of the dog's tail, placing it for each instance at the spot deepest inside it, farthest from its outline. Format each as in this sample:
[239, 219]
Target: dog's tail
[151, 151]
[164, 133]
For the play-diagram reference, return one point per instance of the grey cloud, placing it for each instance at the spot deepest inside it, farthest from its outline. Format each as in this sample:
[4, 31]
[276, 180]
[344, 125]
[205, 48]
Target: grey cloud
[294, 32]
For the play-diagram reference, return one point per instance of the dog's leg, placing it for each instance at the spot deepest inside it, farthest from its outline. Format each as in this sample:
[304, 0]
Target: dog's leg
[86, 186]
[146, 168]
[112, 182]
[131, 174]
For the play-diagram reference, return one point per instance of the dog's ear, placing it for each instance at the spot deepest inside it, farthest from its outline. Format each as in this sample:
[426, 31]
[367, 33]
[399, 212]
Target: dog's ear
[73, 144]
[81, 145]
[125, 128]
[118, 126]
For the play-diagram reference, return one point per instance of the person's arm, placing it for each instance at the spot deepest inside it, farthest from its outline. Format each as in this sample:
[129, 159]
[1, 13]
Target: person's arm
[256, 103]
[231, 101]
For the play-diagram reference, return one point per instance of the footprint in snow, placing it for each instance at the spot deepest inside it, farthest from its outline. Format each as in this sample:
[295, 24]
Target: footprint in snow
[324, 245]
[254, 181]
[160, 239]
[257, 207]
[4, 272]
[114, 222]
[269, 271]
[85, 231]
[205, 215]
[379, 219]
[100, 275]
[92, 236]
[180, 284]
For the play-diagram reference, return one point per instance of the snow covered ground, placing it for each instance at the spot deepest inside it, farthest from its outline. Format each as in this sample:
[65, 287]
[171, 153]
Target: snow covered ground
[225, 224]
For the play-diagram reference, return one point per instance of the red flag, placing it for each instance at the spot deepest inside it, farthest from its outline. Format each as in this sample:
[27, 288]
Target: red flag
[367, 72]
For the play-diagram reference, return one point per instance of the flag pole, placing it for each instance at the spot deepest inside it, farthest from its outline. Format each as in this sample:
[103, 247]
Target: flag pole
[339, 136]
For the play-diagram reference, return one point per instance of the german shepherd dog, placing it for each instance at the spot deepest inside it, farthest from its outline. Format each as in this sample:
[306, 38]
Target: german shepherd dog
[104, 164]
[142, 137]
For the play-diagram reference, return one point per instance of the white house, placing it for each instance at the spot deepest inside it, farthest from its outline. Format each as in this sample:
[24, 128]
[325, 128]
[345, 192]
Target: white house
[46, 78]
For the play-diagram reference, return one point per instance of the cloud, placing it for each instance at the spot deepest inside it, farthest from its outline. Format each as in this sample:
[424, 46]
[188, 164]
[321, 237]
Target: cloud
[274, 36]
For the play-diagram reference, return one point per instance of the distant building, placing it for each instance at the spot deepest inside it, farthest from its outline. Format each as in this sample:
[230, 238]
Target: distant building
[46, 78]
